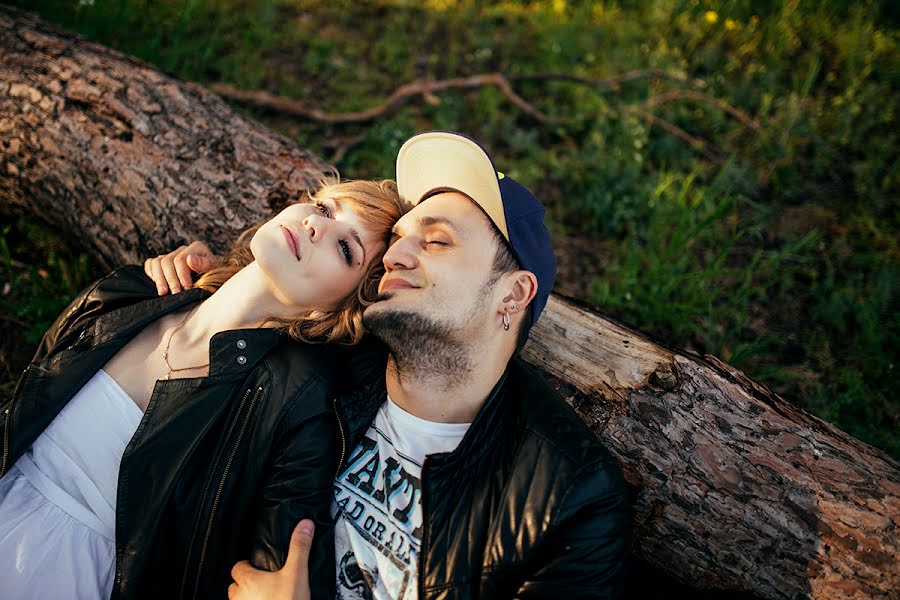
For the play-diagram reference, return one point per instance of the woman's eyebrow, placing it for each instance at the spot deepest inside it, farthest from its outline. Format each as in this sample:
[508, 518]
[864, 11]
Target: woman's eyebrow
[355, 235]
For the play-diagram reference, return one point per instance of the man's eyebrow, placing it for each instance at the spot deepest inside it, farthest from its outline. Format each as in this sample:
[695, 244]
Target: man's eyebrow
[429, 222]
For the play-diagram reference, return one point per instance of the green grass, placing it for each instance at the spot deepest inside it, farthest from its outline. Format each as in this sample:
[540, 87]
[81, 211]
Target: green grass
[780, 258]
[39, 274]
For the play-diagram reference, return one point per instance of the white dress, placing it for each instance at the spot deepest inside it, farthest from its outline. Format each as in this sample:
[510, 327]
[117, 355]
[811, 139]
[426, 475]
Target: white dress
[58, 502]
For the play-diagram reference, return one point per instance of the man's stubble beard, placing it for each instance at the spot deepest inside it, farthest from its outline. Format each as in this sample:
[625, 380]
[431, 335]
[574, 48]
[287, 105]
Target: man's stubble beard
[423, 347]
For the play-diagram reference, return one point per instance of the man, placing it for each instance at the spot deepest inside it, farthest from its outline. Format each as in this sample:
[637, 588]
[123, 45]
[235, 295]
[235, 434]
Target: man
[464, 474]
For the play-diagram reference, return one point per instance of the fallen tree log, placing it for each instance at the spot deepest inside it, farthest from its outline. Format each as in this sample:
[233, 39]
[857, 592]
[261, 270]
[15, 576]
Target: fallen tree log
[119, 155]
[735, 488]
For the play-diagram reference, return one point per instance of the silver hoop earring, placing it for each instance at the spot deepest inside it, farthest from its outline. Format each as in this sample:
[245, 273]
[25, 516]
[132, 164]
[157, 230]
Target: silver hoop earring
[515, 307]
[506, 321]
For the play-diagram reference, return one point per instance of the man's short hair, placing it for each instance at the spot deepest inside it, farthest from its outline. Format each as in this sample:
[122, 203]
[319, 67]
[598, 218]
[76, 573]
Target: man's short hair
[505, 262]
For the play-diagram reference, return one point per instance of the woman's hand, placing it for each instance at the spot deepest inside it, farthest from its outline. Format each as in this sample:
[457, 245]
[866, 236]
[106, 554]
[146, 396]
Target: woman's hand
[290, 583]
[174, 271]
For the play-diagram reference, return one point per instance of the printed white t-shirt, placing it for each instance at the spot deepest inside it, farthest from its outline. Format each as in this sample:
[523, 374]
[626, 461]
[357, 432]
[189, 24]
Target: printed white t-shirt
[378, 504]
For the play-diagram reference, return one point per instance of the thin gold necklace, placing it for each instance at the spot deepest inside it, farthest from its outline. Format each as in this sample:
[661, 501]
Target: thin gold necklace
[166, 350]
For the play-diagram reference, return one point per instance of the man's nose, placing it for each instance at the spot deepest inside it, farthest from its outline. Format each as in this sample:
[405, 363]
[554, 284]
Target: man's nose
[400, 255]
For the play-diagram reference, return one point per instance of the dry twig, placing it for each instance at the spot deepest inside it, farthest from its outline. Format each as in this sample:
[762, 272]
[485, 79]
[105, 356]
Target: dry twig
[705, 98]
[427, 89]
[707, 149]
[611, 82]
[342, 145]
[401, 96]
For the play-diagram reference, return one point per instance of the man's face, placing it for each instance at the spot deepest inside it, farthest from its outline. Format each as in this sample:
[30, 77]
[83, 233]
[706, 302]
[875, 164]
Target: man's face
[438, 267]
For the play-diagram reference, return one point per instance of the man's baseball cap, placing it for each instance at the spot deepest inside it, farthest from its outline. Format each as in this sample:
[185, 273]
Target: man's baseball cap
[437, 161]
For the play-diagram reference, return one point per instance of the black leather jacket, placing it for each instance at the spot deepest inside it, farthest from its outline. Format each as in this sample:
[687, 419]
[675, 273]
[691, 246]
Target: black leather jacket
[220, 468]
[529, 505]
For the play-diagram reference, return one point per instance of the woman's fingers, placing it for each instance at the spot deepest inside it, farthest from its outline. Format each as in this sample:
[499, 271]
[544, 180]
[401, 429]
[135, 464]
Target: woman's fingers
[196, 258]
[175, 271]
[156, 274]
[169, 272]
[179, 260]
[200, 264]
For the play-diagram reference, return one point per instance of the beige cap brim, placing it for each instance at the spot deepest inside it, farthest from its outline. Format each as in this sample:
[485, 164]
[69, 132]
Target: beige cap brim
[438, 159]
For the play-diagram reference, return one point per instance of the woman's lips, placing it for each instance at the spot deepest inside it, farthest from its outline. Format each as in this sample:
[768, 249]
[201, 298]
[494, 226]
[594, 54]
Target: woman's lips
[291, 241]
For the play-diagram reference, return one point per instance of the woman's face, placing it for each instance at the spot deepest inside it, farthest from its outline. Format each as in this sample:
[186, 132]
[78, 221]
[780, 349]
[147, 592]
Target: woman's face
[314, 255]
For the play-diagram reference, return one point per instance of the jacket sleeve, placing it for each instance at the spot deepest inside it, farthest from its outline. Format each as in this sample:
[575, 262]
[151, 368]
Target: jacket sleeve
[587, 555]
[63, 322]
[125, 285]
[298, 484]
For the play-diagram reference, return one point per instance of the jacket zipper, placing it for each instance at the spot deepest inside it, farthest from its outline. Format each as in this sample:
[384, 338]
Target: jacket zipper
[212, 513]
[343, 438]
[8, 420]
[209, 479]
[7, 417]
[421, 557]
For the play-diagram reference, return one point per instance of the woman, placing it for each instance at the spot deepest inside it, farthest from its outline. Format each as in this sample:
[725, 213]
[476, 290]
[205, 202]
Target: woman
[154, 441]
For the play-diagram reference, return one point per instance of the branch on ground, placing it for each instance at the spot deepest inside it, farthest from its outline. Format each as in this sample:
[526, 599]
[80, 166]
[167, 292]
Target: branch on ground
[401, 96]
[705, 148]
[427, 89]
[614, 83]
[667, 97]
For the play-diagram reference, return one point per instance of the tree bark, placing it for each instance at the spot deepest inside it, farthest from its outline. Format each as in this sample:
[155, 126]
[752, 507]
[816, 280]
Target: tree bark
[734, 488]
[126, 158]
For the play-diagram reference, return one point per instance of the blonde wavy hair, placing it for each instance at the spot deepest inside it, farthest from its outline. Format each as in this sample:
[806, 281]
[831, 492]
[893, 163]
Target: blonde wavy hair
[379, 206]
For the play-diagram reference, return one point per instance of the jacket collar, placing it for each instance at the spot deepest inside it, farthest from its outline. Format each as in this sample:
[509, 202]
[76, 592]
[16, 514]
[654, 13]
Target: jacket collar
[231, 353]
[128, 320]
[484, 431]
[359, 408]
[237, 351]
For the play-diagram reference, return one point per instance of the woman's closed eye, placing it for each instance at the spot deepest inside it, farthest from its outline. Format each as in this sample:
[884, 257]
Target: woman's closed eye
[324, 209]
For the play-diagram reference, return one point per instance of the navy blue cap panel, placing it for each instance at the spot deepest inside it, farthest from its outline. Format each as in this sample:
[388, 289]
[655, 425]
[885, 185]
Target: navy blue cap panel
[529, 238]
[517, 200]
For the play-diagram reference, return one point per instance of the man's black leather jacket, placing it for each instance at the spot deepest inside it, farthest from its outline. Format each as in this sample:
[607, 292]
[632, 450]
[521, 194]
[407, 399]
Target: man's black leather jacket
[529, 505]
[220, 468]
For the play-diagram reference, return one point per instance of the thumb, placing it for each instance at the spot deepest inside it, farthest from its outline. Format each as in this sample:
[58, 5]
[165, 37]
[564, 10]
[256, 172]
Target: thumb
[199, 263]
[301, 542]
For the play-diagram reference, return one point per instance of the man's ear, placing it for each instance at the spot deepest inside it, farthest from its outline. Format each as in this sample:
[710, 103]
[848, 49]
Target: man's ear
[520, 287]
